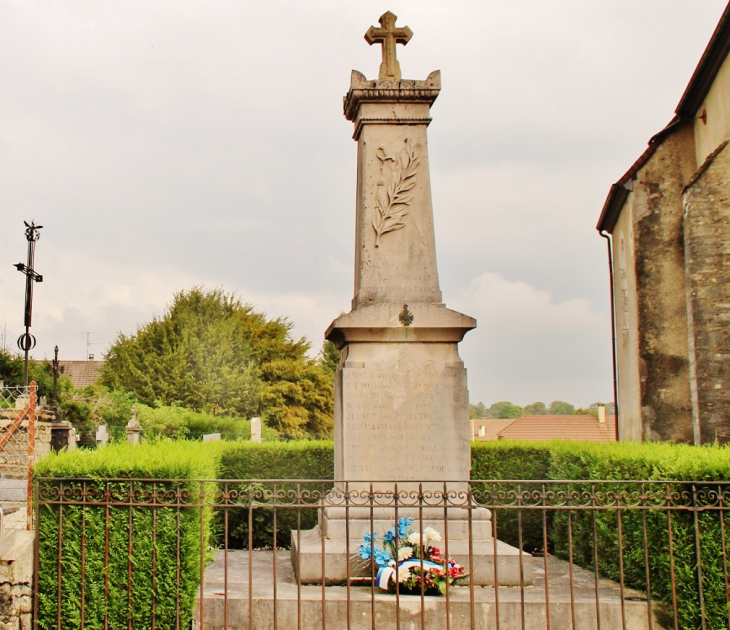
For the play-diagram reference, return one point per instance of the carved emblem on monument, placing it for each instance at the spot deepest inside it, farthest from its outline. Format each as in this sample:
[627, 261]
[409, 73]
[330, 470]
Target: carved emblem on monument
[393, 198]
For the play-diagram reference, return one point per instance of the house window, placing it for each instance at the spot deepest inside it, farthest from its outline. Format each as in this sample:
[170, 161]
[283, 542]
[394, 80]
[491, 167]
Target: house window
[482, 431]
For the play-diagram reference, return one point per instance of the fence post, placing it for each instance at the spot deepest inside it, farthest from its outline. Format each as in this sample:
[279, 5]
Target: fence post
[31, 449]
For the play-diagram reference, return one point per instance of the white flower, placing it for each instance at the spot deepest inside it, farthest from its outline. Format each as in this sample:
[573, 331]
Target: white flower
[404, 573]
[414, 538]
[404, 553]
[431, 535]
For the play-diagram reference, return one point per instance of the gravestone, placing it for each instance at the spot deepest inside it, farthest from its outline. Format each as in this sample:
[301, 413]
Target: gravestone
[401, 399]
[212, 437]
[133, 428]
[102, 437]
[255, 429]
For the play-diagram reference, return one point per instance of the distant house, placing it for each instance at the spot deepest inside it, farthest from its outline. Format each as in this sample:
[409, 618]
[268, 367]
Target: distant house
[487, 429]
[81, 373]
[543, 428]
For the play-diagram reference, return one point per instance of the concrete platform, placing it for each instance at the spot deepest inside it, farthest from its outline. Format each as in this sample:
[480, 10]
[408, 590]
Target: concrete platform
[301, 606]
[513, 567]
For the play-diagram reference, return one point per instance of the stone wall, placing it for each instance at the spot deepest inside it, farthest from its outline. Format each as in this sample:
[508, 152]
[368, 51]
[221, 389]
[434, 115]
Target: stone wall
[656, 213]
[707, 242]
[16, 584]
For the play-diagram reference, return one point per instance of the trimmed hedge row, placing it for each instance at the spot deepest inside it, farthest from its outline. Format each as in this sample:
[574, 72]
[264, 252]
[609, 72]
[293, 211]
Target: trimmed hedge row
[110, 596]
[274, 460]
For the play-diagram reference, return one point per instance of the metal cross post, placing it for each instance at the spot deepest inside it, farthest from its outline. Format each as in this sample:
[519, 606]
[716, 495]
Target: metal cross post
[26, 341]
[56, 371]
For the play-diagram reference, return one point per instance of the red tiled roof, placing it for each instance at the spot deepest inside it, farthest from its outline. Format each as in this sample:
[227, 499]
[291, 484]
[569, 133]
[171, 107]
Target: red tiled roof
[544, 428]
[81, 373]
[492, 428]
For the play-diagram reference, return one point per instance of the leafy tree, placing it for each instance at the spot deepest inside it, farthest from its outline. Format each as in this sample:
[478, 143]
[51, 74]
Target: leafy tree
[505, 409]
[211, 352]
[329, 357]
[560, 408]
[536, 409]
[477, 411]
[12, 368]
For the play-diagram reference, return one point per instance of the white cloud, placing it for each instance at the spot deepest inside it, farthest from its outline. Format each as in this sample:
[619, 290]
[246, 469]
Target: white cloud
[529, 347]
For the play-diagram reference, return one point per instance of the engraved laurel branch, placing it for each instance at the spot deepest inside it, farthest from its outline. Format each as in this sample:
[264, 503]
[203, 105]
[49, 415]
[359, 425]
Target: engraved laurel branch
[393, 199]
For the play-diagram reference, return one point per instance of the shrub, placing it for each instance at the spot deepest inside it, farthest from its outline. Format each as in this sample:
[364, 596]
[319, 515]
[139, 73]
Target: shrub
[107, 593]
[512, 461]
[280, 460]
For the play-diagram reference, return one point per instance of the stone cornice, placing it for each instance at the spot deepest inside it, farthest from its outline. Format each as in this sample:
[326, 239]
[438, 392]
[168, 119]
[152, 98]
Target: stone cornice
[389, 91]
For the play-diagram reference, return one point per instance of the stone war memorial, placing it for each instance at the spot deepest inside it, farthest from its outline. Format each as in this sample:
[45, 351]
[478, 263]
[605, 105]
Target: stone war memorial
[401, 399]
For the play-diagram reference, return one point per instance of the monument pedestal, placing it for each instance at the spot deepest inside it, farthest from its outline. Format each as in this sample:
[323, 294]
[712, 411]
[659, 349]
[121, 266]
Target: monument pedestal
[402, 432]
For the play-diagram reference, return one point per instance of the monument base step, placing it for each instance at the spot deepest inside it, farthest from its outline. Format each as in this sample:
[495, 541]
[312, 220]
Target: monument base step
[277, 601]
[513, 566]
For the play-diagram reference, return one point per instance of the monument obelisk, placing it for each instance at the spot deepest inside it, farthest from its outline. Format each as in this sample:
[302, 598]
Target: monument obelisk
[401, 400]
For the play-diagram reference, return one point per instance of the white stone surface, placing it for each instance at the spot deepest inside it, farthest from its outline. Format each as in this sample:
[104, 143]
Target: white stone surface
[255, 429]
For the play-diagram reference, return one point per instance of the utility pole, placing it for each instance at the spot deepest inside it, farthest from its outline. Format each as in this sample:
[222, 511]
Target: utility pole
[26, 341]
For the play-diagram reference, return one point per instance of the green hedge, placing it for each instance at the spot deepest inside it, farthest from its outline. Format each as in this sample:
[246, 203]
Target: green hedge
[578, 461]
[275, 460]
[161, 530]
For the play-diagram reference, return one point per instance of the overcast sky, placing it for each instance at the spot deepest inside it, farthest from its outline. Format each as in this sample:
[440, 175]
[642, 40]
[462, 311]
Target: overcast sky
[164, 144]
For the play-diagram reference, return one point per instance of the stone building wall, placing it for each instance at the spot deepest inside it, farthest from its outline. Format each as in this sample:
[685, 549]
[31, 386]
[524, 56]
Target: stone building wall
[627, 326]
[707, 243]
[656, 215]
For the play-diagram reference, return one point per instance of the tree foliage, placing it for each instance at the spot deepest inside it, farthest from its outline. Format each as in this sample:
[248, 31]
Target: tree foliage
[536, 409]
[505, 409]
[560, 408]
[211, 352]
[12, 367]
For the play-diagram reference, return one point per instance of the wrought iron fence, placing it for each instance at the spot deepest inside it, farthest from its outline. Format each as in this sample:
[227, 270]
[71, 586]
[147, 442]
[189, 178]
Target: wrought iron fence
[17, 453]
[155, 553]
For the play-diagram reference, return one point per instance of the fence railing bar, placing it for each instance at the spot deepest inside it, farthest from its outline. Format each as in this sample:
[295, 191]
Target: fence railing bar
[250, 555]
[596, 564]
[299, 563]
[324, 562]
[202, 556]
[130, 532]
[723, 539]
[521, 562]
[698, 552]
[36, 558]
[107, 515]
[225, 565]
[372, 556]
[672, 573]
[348, 603]
[647, 564]
[570, 570]
[545, 554]
[178, 534]
[82, 620]
[423, 573]
[620, 535]
[275, 563]
[154, 560]
[447, 594]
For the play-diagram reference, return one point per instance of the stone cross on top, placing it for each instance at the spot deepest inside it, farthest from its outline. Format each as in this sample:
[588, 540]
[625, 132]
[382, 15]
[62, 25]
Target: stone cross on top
[388, 36]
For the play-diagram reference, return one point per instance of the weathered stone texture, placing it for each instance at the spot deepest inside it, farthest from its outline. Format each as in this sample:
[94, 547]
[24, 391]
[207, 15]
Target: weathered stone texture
[664, 366]
[16, 606]
[707, 242]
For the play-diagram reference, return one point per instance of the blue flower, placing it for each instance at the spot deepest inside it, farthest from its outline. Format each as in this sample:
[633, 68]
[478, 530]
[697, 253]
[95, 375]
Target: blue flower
[403, 525]
[389, 536]
[365, 550]
[382, 558]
